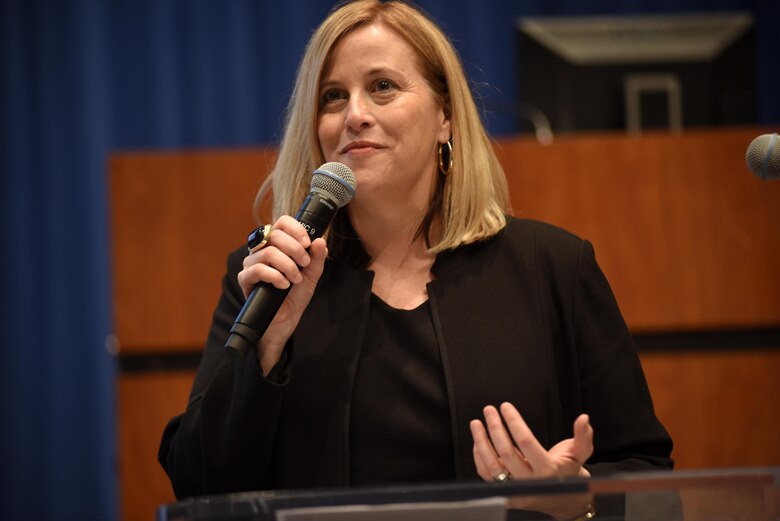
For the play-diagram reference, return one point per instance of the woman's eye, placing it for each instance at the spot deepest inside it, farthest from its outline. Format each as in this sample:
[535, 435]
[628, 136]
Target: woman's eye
[384, 85]
[332, 96]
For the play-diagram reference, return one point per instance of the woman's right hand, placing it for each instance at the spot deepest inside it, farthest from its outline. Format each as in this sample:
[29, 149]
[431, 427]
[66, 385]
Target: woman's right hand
[289, 257]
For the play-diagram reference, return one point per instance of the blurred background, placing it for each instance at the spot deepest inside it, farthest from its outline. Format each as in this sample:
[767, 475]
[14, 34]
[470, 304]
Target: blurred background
[83, 79]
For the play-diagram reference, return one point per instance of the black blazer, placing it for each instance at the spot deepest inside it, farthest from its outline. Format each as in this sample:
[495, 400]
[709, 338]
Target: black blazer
[526, 317]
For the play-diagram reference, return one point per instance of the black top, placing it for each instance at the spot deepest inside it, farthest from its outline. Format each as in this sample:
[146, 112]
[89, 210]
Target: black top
[525, 317]
[400, 421]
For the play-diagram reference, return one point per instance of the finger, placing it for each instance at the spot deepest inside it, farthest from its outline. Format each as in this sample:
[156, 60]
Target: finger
[480, 466]
[293, 228]
[275, 258]
[483, 449]
[318, 252]
[508, 454]
[259, 273]
[273, 266]
[535, 455]
[583, 439]
[301, 293]
[285, 243]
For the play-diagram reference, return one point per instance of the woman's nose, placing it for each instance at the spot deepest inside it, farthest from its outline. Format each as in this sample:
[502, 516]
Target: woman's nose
[358, 115]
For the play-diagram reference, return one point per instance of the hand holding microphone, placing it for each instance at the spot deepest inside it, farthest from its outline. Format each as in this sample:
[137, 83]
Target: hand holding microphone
[292, 264]
[280, 278]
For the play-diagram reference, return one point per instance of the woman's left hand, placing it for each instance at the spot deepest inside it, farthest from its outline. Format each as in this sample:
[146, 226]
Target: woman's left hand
[518, 452]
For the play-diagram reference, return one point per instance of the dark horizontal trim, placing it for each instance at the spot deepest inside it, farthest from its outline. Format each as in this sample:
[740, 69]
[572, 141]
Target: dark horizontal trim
[764, 338]
[761, 338]
[160, 361]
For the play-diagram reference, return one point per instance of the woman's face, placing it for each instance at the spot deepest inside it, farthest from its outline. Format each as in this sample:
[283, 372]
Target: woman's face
[379, 116]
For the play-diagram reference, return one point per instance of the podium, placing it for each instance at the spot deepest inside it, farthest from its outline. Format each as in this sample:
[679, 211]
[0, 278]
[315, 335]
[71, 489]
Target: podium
[725, 494]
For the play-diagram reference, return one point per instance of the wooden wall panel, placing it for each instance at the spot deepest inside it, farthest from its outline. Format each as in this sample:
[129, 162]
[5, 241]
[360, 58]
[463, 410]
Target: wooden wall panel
[145, 403]
[175, 217]
[719, 406]
[687, 237]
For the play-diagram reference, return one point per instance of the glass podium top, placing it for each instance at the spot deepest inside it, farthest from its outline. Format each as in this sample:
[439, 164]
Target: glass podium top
[723, 494]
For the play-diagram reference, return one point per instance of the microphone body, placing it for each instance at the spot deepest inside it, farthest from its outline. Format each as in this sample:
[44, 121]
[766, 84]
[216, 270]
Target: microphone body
[315, 215]
[763, 156]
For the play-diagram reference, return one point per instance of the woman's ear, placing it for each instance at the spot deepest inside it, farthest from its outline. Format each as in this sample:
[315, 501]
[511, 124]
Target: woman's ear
[445, 125]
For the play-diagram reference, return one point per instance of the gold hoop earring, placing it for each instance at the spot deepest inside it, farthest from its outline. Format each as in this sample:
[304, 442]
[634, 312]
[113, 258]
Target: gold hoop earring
[448, 162]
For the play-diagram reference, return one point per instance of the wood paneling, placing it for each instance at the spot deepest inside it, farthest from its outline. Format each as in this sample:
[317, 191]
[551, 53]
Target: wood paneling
[720, 407]
[146, 403]
[175, 217]
[686, 235]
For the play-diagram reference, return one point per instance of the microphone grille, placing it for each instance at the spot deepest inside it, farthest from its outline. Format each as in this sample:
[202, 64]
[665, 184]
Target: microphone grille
[763, 156]
[335, 180]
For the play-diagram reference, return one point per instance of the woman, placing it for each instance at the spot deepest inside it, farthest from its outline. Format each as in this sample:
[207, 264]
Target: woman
[425, 312]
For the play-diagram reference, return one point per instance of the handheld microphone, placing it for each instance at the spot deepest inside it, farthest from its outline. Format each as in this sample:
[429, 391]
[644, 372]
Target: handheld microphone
[332, 186]
[763, 156]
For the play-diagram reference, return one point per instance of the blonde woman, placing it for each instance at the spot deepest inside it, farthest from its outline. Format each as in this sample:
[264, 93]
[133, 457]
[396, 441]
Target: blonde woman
[429, 336]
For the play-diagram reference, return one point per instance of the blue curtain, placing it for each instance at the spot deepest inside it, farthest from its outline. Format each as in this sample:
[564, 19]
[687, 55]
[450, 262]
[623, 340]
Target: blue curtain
[83, 78]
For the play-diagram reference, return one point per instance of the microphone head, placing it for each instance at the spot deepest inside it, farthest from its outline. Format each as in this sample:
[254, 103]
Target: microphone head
[336, 181]
[763, 156]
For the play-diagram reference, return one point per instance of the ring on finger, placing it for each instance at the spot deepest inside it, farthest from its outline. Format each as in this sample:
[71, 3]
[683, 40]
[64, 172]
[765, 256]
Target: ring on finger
[258, 238]
[502, 477]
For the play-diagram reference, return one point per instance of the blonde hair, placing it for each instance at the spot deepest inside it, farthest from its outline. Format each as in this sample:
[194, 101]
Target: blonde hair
[474, 196]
